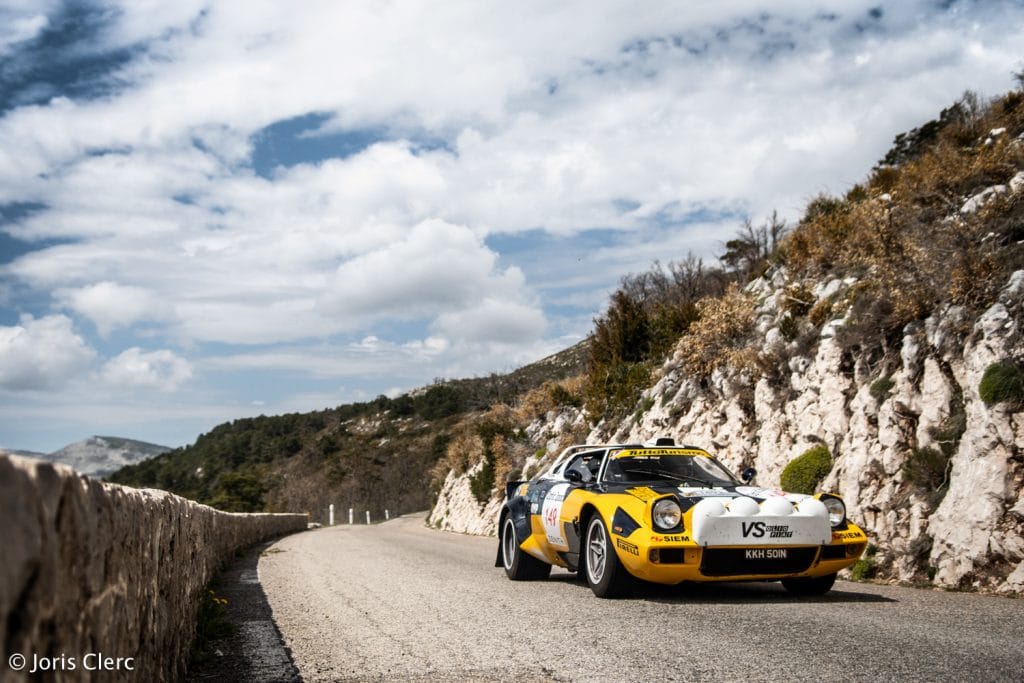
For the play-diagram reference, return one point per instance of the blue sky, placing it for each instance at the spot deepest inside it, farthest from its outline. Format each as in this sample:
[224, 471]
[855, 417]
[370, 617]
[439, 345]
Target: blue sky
[212, 210]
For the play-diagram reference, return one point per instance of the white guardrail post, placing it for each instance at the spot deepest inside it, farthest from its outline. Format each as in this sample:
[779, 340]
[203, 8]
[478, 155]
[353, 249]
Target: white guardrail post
[367, 516]
[331, 515]
[387, 514]
[350, 516]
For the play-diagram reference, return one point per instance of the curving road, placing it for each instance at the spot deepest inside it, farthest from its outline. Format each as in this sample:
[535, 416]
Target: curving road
[398, 601]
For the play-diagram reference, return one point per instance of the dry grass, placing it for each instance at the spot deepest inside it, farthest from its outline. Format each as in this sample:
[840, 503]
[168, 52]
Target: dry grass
[721, 336]
[904, 236]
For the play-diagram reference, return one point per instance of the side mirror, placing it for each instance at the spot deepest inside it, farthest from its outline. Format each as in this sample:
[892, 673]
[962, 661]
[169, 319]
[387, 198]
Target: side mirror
[748, 475]
[574, 476]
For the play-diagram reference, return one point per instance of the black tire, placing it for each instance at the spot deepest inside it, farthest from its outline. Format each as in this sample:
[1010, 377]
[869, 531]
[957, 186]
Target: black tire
[818, 585]
[601, 566]
[519, 566]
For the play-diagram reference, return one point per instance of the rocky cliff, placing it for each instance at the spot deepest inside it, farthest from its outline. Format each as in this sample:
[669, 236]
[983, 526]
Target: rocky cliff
[960, 524]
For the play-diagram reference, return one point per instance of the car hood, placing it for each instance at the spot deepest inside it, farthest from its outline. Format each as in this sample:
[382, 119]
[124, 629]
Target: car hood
[691, 495]
[745, 515]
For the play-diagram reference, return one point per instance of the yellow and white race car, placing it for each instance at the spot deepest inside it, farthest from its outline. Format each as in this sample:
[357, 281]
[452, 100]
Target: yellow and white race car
[667, 514]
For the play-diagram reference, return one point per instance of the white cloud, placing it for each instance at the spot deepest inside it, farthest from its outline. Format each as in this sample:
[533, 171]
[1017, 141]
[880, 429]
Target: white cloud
[41, 353]
[160, 370]
[493, 321]
[436, 267]
[110, 305]
[658, 121]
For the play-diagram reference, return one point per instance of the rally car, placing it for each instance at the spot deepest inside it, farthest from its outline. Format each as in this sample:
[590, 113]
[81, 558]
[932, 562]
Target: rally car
[667, 514]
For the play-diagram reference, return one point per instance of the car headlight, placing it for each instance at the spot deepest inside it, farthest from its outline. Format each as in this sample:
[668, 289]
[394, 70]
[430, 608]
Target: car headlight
[836, 510]
[667, 514]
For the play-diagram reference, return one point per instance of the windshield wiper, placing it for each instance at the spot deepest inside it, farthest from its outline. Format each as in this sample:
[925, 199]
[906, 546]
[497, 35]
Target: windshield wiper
[705, 482]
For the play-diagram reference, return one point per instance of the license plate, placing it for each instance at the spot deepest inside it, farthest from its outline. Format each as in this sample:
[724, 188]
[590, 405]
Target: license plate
[765, 554]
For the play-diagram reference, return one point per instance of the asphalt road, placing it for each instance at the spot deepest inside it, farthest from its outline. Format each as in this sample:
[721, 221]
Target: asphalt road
[398, 601]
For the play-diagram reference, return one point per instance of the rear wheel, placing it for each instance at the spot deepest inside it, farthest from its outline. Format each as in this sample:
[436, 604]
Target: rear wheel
[605, 574]
[818, 585]
[519, 566]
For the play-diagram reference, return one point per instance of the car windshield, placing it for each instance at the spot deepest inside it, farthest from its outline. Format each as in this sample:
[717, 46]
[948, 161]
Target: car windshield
[683, 466]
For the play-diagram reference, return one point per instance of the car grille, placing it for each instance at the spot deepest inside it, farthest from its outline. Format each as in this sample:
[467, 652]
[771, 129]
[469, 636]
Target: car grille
[747, 561]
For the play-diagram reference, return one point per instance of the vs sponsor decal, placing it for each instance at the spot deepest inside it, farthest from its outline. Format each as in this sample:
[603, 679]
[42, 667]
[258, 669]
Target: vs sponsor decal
[628, 547]
[761, 529]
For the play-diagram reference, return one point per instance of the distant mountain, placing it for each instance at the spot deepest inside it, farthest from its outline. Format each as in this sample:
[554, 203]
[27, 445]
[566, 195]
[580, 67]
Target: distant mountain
[98, 456]
[24, 454]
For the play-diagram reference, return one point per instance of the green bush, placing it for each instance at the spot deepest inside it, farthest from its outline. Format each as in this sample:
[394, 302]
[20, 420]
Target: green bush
[881, 387]
[440, 400]
[863, 570]
[212, 624]
[641, 410]
[1002, 383]
[241, 491]
[789, 328]
[928, 468]
[563, 397]
[804, 473]
[482, 483]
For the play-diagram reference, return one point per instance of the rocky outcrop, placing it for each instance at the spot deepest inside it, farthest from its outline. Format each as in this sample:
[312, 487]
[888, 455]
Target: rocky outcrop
[88, 569]
[962, 528]
[965, 531]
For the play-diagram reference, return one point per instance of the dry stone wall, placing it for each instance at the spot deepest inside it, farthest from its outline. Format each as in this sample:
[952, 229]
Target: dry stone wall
[91, 570]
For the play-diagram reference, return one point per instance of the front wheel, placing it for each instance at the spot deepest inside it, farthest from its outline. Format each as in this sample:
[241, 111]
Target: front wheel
[818, 585]
[605, 573]
[519, 566]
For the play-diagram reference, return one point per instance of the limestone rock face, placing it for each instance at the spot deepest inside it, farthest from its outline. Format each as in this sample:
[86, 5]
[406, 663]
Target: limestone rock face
[963, 527]
[89, 567]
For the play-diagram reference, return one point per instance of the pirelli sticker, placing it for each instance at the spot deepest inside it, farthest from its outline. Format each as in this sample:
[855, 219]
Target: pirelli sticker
[628, 547]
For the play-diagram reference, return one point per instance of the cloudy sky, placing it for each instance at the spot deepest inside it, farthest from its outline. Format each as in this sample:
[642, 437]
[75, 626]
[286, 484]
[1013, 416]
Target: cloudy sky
[215, 209]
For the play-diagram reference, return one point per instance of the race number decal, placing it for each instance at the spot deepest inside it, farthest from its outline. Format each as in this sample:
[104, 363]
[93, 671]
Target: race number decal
[550, 513]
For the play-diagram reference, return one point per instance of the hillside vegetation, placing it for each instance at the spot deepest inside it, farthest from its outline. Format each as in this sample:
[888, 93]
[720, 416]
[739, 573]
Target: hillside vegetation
[371, 456]
[938, 223]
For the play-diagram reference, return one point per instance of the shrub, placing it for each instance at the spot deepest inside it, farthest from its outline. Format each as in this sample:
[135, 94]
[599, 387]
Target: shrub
[440, 400]
[804, 473]
[798, 300]
[241, 491]
[1002, 383]
[881, 387]
[566, 394]
[645, 405]
[789, 328]
[212, 624]
[482, 483]
[927, 468]
[821, 312]
[865, 568]
[721, 336]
